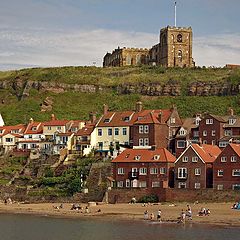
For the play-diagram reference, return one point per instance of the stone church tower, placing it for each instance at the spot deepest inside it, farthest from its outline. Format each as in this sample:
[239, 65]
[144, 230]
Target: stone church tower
[175, 48]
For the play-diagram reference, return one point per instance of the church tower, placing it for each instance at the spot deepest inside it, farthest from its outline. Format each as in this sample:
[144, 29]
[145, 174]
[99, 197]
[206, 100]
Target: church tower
[176, 47]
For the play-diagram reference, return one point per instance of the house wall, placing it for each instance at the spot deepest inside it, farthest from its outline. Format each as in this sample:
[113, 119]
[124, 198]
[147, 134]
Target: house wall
[227, 180]
[191, 178]
[53, 130]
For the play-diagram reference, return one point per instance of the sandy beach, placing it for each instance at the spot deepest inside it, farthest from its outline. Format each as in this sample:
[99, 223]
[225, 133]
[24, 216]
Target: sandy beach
[221, 213]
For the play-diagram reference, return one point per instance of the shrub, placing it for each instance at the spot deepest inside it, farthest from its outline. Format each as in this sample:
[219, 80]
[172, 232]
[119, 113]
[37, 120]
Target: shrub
[149, 199]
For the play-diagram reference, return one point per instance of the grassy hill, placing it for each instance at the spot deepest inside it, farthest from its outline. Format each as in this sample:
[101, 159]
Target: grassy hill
[77, 105]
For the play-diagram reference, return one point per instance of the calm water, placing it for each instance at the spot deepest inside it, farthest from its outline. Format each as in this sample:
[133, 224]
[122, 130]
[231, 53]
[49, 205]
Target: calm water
[18, 227]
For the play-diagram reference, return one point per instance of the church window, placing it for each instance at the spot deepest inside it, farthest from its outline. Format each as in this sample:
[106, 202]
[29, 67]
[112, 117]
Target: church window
[179, 37]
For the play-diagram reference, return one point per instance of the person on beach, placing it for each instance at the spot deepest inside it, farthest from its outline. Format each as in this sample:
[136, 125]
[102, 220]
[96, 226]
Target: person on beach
[152, 216]
[189, 212]
[159, 213]
[145, 216]
[133, 200]
[86, 209]
[182, 218]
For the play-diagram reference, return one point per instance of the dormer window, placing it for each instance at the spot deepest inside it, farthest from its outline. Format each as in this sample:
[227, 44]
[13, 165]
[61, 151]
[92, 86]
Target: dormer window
[107, 120]
[156, 157]
[126, 119]
[209, 121]
[137, 157]
[182, 132]
[127, 156]
[172, 120]
[34, 128]
[15, 131]
[231, 121]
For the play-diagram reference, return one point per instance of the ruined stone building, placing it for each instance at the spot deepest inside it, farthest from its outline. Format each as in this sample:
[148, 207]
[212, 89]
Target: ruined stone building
[173, 50]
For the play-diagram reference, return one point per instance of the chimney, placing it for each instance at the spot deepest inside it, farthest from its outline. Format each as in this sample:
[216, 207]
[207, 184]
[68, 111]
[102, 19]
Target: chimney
[230, 111]
[92, 117]
[160, 116]
[53, 117]
[31, 120]
[105, 109]
[139, 106]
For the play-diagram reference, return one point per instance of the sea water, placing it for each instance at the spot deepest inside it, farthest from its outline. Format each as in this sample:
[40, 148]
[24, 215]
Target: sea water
[25, 227]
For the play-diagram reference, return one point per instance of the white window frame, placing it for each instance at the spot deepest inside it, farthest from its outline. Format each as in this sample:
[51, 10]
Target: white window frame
[141, 128]
[234, 171]
[143, 171]
[223, 159]
[140, 142]
[181, 141]
[173, 120]
[146, 129]
[197, 185]
[220, 187]
[204, 133]
[142, 184]
[134, 173]
[146, 142]
[185, 159]
[227, 133]
[124, 131]
[209, 121]
[121, 171]
[182, 173]
[100, 132]
[110, 131]
[195, 159]
[155, 184]
[120, 184]
[233, 158]
[162, 170]
[223, 144]
[182, 184]
[220, 171]
[213, 133]
[236, 185]
[128, 183]
[116, 131]
[197, 171]
[153, 171]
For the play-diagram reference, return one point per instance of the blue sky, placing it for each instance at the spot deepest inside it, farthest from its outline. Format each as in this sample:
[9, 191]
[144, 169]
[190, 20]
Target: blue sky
[78, 32]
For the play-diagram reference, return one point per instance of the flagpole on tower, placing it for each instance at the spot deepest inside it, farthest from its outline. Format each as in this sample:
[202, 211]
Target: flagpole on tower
[175, 13]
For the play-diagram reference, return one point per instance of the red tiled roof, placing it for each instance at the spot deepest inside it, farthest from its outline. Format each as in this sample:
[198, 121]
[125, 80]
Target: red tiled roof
[146, 155]
[56, 123]
[8, 129]
[65, 134]
[236, 148]
[37, 125]
[86, 130]
[208, 153]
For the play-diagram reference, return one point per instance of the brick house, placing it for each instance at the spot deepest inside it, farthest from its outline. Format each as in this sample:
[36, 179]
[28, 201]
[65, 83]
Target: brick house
[144, 168]
[193, 168]
[226, 168]
[156, 128]
[187, 134]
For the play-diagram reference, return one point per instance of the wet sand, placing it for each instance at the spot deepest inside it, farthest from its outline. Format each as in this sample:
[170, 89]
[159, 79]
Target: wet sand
[221, 213]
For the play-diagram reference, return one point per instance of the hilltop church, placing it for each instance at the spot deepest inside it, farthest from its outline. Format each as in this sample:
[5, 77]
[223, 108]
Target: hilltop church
[173, 50]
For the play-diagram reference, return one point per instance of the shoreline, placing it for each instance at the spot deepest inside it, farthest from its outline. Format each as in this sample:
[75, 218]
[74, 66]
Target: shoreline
[221, 213]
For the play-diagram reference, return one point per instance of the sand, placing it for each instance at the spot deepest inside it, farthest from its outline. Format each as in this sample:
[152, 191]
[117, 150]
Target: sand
[221, 213]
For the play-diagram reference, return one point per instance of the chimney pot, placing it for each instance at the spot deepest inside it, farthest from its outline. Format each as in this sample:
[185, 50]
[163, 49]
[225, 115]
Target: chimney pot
[105, 109]
[139, 106]
[53, 117]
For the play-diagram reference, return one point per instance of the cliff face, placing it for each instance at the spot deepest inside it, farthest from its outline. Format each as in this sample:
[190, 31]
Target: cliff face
[171, 88]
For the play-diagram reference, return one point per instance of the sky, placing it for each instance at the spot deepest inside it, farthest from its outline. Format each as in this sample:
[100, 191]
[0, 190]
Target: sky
[49, 33]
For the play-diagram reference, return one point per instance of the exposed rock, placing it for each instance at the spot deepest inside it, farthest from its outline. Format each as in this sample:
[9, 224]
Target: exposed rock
[46, 106]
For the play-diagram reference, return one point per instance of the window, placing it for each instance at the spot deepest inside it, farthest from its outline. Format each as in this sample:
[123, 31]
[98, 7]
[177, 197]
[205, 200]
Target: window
[146, 142]
[156, 157]
[126, 119]
[137, 157]
[116, 131]
[197, 171]
[49, 128]
[106, 120]
[220, 173]
[179, 38]
[120, 184]
[142, 184]
[163, 170]
[182, 172]
[209, 121]
[185, 159]
[182, 132]
[143, 171]
[146, 129]
[99, 132]
[228, 133]
[29, 136]
[219, 187]
[120, 171]
[197, 185]
[231, 121]
[134, 172]
[140, 142]
[182, 185]
[155, 184]
[109, 132]
[124, 131]
[236, 186]
[204, 133]
[153, 171]
[223, 159]
[181, 144]
[213, 142]
[127, 183]
[233, 158]
[34, 128]
[213, 133]
[172, 120]
[195, 133]
[236, 172]
[9, 140]
[223, 144]
[59, 127]
[194, 159]
[100, 145]
[141, 129]
[204, 141]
